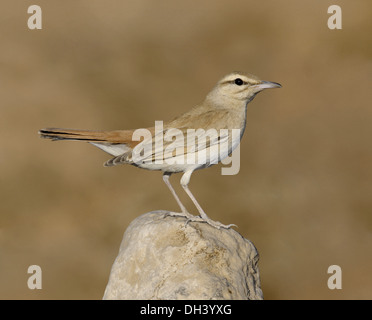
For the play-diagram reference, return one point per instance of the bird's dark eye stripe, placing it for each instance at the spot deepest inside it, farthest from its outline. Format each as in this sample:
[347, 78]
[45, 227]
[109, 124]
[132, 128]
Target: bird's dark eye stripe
[233, 82]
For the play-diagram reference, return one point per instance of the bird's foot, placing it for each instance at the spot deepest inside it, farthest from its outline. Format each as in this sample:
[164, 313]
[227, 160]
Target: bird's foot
[191, 218]
[185, 214]
[218, 225]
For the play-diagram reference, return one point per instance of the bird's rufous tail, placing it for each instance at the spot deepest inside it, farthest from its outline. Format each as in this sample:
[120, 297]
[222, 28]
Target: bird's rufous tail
[113, 137]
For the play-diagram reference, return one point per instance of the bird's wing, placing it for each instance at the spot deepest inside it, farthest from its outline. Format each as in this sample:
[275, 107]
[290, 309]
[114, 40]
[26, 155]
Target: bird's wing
[175, 144]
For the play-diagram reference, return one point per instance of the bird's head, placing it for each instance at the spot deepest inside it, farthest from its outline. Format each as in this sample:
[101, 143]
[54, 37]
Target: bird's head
[240, 86]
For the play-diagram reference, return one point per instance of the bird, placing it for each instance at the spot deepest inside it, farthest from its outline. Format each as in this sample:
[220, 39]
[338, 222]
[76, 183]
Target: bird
[163, 148]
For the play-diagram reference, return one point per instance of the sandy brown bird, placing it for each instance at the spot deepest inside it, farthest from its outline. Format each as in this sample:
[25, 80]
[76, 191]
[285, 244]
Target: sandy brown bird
[223, 110]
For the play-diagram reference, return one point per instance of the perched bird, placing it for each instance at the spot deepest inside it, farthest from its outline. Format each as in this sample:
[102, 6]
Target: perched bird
[223, 110]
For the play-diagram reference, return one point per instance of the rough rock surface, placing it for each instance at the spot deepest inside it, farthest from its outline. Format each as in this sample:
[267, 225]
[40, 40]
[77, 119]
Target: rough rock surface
[161, 257]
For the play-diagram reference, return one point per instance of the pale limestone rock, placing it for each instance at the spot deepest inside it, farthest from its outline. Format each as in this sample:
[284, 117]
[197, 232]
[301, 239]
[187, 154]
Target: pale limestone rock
[161, 257]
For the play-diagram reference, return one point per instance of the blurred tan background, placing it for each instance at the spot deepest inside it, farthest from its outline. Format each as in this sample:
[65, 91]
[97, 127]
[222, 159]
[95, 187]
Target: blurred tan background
[303, 194]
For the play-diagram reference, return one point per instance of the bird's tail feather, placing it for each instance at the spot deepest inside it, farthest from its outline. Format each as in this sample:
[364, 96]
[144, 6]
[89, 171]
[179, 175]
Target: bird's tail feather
[111, 137]
[72, 134]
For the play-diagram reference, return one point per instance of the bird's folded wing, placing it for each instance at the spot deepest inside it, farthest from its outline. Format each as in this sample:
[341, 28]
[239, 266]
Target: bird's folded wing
[177, 143]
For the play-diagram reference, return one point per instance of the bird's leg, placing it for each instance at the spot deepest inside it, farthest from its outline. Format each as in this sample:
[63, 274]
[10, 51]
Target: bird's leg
[184, 212]
[184, 183]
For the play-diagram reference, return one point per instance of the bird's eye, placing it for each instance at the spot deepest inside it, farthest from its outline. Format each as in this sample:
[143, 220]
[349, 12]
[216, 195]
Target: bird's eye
[238, 82]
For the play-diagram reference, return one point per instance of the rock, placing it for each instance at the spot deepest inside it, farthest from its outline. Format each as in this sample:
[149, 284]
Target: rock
[161, 257]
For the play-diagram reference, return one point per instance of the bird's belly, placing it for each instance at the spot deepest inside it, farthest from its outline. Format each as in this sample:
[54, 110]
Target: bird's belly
[166, 167]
